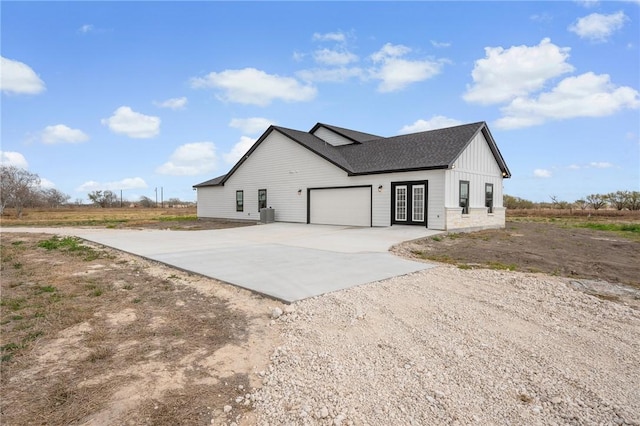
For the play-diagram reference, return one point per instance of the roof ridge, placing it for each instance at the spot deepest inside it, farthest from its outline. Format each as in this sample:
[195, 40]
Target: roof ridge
[355, 135]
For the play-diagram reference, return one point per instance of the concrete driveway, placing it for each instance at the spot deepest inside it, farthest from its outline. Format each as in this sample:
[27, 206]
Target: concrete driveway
[282, 260]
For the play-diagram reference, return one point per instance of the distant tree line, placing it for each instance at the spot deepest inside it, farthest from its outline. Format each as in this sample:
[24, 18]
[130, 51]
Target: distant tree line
[619, 200]
[110, 199]
[20, 188]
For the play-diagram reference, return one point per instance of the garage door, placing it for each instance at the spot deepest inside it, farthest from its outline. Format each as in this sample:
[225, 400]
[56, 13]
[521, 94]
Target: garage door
[340, 206]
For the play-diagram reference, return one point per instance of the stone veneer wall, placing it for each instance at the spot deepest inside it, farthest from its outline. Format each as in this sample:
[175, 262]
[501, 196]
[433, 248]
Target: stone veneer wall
[478, 218]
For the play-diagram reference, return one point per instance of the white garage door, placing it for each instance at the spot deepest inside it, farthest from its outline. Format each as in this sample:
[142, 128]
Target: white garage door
[340, 206]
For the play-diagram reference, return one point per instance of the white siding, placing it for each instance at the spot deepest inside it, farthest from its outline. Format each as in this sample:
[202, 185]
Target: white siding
[283, 167]
[331, 137]
[477, 165]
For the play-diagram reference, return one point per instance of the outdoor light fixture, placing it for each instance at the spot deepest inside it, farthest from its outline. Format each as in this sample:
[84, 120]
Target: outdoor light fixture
[379, 188]
[299, 191]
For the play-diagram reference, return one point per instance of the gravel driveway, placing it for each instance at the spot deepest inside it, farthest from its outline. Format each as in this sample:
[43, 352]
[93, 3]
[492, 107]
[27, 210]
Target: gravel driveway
[452, 346]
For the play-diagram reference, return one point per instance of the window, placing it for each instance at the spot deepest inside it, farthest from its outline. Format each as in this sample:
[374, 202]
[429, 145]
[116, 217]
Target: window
[239, 201]
[262, 199]
[488, 197]
[401, 203]
[464, 196]
[418, 203]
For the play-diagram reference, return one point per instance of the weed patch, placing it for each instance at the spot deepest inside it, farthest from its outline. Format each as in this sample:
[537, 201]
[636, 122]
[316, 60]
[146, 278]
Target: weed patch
[177, 218]
[70, 245]
[501, 266]
[15, 304]
[633, 228]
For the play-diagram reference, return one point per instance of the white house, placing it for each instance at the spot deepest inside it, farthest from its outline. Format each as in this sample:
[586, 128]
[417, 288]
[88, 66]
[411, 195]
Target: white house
[443, 179]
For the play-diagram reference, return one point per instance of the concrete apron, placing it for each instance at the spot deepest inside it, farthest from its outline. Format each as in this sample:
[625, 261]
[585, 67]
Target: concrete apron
[282, 260]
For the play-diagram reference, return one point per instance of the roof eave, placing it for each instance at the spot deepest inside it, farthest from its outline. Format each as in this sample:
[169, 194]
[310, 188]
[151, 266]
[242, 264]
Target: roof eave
[506, 173]
[403, 170]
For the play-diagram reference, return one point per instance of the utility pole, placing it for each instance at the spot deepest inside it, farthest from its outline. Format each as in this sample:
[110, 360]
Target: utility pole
[162, 197]
[156, 196]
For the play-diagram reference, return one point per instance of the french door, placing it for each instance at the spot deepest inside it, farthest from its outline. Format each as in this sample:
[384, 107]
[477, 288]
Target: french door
[409, 203]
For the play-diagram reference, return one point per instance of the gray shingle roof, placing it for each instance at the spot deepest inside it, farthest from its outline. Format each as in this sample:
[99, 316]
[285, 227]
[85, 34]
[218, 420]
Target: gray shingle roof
[211, 182]
[354, 135]
[434, 149]
[425, 150]
[317, 145]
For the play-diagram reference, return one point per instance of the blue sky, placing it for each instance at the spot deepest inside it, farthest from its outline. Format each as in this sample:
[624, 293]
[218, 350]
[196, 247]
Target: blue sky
[135, 96]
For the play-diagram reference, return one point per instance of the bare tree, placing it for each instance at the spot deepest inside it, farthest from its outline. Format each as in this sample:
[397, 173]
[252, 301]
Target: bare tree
[634, 200]
[174, 201]
[103, 198]
[596, 201]
[54, 198]
[581, 204]
[146, 202]
[17, 188]
[618, 199]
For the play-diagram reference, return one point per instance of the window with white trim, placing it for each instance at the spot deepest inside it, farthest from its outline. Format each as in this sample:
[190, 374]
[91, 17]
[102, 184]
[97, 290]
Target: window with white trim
[418, 203]
[401, 202]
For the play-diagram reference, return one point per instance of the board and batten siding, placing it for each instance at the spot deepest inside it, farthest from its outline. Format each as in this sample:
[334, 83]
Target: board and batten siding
[286, 169]
[331, 137]
[477, 165]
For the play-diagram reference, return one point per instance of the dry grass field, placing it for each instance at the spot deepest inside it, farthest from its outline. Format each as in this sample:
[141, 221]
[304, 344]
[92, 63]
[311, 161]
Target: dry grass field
[93, 216]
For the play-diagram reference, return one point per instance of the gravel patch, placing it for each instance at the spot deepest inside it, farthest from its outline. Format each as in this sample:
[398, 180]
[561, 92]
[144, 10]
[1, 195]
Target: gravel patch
[454, 346]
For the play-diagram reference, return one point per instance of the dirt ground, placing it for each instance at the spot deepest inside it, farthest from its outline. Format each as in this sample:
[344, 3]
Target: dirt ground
[94, 336]
[588, 256]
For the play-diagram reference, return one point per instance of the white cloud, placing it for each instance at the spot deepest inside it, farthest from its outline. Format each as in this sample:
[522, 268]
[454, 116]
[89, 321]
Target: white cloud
[435, 122]
[440, 44]
[396, 73]
[298, 56]
[335, 36]
[591, 165]
[505, 74]
[133, 124]
[46, 184]
[127, 183]
[588, 3]
[334, 57]
[190, 159]
[255, 87]
[390, 51]
[600, 165]
[173, 103]
[12, 158]
[86, 28]
[542, 173]
[586, 95]
[598, 27]
[63, 134]
[335, 75]
[239, 149]
[543, 18]
[18, 78]
[251, 125]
